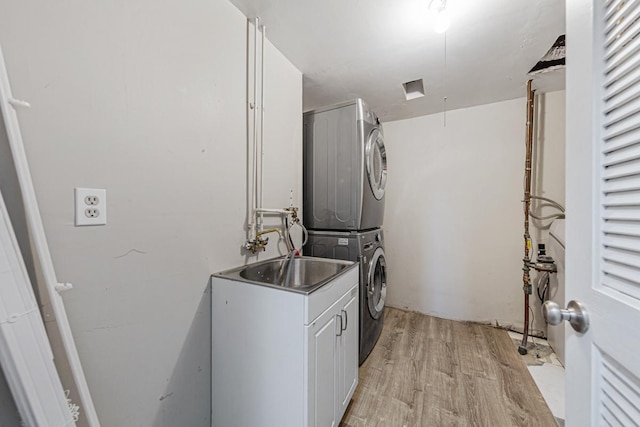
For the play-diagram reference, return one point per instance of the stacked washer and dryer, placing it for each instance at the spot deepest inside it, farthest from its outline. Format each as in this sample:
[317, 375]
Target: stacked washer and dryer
[345, 172]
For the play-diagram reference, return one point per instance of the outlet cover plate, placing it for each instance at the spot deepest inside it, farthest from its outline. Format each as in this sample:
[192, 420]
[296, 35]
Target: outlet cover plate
[90, 206]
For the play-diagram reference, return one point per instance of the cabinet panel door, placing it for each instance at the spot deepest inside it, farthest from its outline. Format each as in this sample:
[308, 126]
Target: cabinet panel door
[323, 339]
[348, 352]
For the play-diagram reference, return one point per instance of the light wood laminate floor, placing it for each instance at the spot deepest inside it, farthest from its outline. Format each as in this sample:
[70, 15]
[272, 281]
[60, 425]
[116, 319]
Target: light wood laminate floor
[427, 371]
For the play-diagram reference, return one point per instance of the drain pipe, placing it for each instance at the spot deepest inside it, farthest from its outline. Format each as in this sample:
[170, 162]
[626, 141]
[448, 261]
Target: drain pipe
[260, 172]
[254, 223]
[255, 148]
[526, 278]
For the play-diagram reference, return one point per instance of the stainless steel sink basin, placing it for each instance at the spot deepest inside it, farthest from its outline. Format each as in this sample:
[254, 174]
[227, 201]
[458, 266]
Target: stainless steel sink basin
[299, 274]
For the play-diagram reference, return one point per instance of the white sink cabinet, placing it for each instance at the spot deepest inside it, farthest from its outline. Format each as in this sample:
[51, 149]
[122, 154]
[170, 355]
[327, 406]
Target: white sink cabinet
[282, 358]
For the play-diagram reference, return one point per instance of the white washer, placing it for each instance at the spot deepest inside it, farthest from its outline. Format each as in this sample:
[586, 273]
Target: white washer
[345, 168]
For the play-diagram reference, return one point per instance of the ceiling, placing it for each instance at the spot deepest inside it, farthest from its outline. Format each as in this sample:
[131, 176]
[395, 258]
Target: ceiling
[368, 48]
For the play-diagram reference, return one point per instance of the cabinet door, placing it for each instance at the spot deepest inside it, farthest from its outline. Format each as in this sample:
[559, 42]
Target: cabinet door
[322, 336]
[347, 372]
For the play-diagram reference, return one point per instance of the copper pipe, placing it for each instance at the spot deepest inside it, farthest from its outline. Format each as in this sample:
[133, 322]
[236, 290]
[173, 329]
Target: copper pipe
[526, 279]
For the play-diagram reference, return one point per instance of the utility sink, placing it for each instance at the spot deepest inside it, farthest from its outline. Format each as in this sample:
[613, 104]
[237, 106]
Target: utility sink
[282, 349]
[299, 274]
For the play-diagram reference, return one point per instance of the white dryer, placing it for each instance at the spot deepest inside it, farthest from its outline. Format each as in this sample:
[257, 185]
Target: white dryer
[345, 168]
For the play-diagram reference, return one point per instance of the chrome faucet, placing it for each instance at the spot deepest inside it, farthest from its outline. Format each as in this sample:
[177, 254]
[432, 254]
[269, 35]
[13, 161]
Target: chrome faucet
[267, 231]
[260, 244]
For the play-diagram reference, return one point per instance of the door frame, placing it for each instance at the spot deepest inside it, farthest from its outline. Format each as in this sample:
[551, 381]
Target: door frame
[580, 198]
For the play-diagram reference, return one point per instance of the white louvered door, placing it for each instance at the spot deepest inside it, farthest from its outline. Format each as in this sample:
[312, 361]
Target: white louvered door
[603, 211]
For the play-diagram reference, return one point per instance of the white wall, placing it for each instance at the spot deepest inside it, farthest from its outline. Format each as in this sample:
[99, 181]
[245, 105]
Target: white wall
[453, 221]
[148, 100]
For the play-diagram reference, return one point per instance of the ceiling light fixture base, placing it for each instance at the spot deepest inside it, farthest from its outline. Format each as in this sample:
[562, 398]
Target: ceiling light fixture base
[439, 14]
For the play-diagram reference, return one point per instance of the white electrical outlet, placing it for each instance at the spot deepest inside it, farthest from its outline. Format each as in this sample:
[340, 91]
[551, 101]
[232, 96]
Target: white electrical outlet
[91, 206]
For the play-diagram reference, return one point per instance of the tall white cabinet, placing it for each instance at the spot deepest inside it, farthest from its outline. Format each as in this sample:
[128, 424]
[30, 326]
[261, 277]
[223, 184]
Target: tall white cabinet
[282, 358]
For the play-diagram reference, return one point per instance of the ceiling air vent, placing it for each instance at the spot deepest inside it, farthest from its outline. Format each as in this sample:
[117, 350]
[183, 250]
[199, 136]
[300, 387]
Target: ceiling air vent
[413, 89]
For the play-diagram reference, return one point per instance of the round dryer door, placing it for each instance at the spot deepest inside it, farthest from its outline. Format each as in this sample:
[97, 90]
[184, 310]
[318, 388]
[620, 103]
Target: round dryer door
[377, 284]
[376, 163]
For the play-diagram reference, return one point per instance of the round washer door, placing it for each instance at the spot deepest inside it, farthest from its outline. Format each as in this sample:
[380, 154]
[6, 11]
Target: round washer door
[376, 159]
[377, 284]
